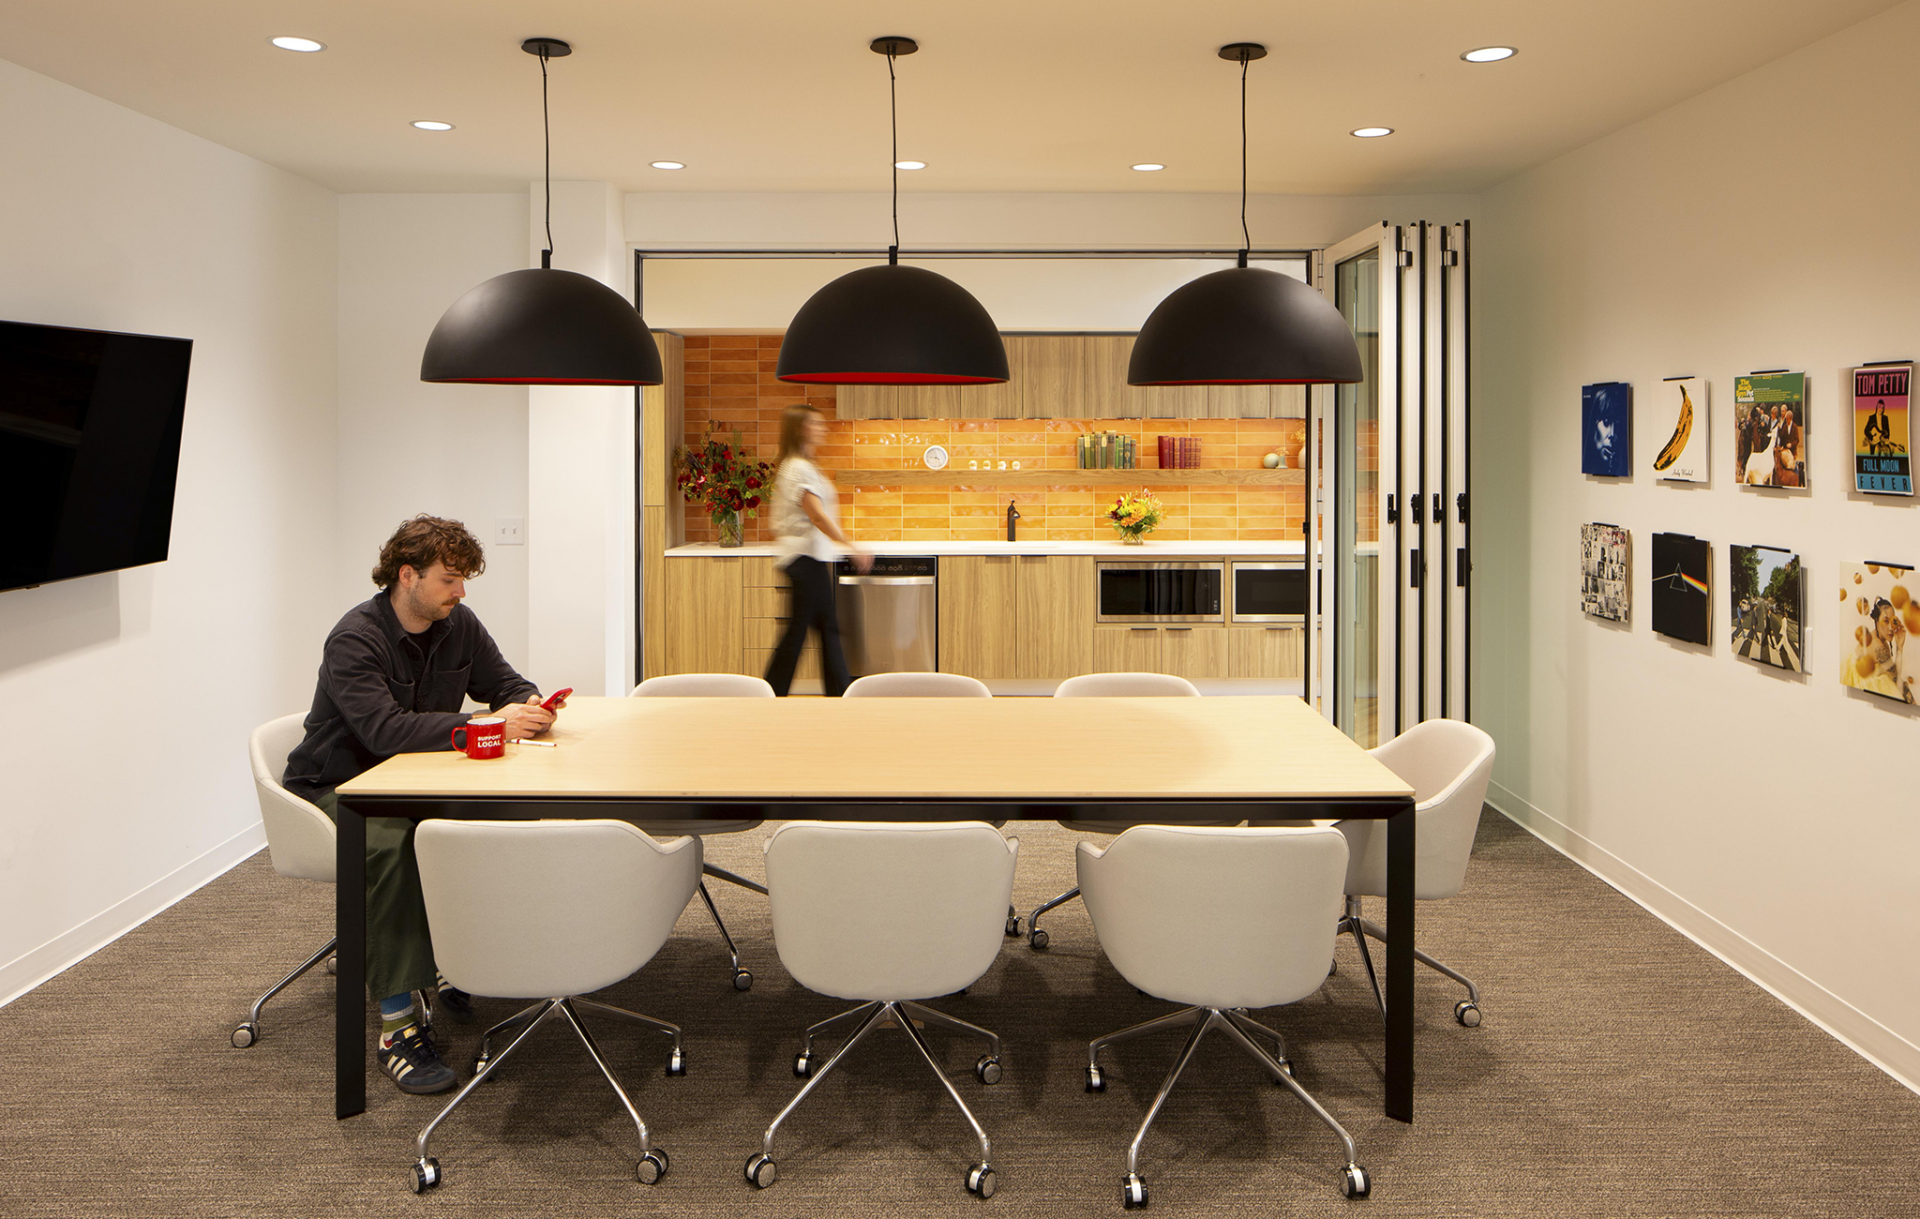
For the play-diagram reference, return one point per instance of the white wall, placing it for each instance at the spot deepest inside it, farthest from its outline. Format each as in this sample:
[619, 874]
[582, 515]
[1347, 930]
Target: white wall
[1759, 225]
[408, 447]
[123, 774]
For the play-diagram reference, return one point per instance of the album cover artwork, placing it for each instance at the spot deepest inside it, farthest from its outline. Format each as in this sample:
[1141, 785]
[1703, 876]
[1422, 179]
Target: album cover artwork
[1680, 415]
[1770, 429]
[1882, 435]
[1683, 587]
[1606, 429]
[1878, 619]
[1765, 596]
[1606, 571]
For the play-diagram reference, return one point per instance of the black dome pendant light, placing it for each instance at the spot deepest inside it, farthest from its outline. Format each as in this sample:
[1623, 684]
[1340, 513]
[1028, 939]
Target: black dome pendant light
[542, 327]
[1244, 326]
[892, 325]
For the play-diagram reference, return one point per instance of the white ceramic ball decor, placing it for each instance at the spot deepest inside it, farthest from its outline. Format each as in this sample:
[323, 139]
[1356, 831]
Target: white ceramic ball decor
[1271, 461]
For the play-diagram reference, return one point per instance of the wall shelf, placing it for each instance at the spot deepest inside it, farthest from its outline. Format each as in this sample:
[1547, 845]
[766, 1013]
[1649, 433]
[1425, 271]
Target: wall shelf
[950, 477]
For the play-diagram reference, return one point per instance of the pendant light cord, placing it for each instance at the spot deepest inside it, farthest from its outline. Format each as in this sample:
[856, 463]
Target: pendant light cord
[546, 136]
[1246, 238]
[893, 110]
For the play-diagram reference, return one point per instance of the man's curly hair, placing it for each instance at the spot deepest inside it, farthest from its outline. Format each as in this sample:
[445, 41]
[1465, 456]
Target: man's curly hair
[424, 541]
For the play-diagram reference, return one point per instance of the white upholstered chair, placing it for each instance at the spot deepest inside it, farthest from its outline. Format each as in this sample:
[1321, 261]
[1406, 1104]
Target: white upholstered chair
[1104, 685]
[709, 685]
[550, 911]
[1448, 764]
[917, 685]
[300, 841]
[942, 886]
[1221, 919]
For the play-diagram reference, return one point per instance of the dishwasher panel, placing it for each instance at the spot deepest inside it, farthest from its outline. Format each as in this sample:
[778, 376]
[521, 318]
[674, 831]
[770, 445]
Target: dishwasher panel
[889, 617]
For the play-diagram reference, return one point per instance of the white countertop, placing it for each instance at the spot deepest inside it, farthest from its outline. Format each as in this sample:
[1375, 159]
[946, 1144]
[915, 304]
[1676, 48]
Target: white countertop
[1153, 549]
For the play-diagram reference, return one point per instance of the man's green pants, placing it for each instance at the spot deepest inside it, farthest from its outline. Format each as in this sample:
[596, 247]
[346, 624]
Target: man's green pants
[399, 946]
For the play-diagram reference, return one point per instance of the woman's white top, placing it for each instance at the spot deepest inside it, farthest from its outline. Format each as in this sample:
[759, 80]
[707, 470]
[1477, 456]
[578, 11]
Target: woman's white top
[794, 532]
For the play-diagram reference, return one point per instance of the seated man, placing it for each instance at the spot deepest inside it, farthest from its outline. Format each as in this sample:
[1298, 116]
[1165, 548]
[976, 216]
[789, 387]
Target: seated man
[393, 675]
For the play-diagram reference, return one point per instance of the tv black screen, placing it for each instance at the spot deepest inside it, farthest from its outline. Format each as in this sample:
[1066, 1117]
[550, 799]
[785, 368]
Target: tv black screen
[89, 446]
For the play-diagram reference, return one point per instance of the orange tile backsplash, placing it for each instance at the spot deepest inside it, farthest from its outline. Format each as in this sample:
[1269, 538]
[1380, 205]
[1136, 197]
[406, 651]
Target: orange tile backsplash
[730, 387]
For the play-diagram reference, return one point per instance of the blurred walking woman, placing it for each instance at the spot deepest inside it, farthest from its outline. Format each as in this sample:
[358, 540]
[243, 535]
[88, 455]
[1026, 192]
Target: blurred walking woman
[807, 538]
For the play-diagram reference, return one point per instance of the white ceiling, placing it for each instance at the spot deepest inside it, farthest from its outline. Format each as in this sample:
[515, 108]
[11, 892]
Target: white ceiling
[1005, 95]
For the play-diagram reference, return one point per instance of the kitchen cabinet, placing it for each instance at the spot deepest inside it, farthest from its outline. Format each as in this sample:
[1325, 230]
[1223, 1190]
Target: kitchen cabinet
[1055, 618]
[1190, 652]
[1069, 376]
[704, 628]
[979, 615]
[1264, 651]
[764, 606]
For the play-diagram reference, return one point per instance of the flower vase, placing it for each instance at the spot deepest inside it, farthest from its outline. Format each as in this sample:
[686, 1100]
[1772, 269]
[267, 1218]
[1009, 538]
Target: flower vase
[1133, 539]
[727, 522]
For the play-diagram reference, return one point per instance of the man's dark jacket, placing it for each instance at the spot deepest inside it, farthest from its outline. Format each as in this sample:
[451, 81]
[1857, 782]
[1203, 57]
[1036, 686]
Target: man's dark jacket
[383, 692]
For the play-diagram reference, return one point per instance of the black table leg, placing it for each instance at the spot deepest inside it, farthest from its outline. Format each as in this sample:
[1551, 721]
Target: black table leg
[1400, 870]
[350, 984]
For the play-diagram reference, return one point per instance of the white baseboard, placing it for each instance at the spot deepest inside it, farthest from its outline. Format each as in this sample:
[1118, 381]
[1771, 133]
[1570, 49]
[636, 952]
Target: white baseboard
[64, 951]
[1846, 1023]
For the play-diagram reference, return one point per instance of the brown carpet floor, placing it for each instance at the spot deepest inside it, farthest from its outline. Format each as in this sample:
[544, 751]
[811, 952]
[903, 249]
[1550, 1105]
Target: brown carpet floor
[1621, 1071]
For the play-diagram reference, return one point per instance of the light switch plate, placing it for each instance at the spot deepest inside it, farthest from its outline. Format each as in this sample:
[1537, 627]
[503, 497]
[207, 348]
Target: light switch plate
[510, 530]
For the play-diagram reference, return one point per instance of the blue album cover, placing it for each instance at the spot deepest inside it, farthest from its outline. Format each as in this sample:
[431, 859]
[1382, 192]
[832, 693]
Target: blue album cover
[1606, 429]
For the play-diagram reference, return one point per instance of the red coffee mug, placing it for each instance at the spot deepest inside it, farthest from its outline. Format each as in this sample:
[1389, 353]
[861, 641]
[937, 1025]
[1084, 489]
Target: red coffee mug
[486, 737]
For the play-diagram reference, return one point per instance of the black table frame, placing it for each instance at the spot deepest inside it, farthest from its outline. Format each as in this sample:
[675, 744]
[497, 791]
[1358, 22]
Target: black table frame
[350, 909]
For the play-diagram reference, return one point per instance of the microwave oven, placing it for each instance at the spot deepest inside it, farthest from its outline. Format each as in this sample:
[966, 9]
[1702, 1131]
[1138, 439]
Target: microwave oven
[1269, 590]
[1159, 592]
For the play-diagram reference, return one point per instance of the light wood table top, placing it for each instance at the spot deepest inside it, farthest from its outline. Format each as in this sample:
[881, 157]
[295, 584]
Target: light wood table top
[828, 749]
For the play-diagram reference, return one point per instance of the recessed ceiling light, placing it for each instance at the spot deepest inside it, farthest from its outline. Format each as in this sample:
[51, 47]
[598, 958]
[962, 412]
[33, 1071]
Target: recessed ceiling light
[1372, 133]
[432, 125]
[303, 45]
[669, 164]
[909, 164]
[1149, 167]
[1489, 54]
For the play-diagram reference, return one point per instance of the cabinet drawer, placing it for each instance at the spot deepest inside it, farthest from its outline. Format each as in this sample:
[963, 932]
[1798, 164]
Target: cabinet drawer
[1194, 651]
[759, 572]
[765, 602]
[1272, 651]
[759, 658]
[1126, 649]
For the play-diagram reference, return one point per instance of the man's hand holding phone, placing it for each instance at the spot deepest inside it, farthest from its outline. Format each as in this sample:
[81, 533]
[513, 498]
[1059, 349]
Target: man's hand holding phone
[530, 718]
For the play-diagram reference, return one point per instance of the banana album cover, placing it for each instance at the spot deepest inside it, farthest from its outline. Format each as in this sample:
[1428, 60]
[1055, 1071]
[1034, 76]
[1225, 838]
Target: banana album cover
[1680, 428]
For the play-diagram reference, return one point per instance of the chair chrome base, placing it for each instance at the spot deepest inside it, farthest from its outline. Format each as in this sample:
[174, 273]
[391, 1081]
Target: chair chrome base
[652, 1165]
[742, 979]
[1242, 1029]
[1037, 936]
[1467, 1011]
[247, 1032]
[760, 1169]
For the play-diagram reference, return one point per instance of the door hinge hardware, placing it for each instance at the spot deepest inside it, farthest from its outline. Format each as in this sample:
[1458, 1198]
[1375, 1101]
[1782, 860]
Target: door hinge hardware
[1460, 503]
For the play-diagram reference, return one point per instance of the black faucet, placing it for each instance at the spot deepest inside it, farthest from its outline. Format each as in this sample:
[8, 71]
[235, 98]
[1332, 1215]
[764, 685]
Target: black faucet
[1013, 514]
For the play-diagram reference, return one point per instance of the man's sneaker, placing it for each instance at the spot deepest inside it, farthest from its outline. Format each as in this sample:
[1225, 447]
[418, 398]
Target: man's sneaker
[409, 1058]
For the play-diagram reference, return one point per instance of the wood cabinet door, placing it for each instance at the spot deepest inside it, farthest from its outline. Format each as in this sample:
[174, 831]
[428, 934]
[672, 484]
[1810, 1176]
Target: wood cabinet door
[1103, 359]
[1055, 621]
[1264, 651]
[1126, 649]
[1239, 401]
[979, 616]
[866, 402]
[703, 611]
[1195, 651]
[1049, 377]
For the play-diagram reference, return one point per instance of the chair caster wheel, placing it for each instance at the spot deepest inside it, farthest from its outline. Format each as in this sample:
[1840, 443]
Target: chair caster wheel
[803, 1064]
[1333, 967]
[1038, 938]
[480, 1062]
[742, 980]
[980, 1182]
[988, 1069]
[1133, 1191]
[245, 1035]
[1467, 1012]
[333, 965]
[760, 1171]
[1096, 1079]
[424, 1175]
[652, 1167]
[1354, 1182]
[677, 1062]
[1013, 926]
[1286, 1065]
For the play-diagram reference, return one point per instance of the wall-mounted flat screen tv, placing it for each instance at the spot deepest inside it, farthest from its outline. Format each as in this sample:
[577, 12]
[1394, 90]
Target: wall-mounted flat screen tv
[89, 446]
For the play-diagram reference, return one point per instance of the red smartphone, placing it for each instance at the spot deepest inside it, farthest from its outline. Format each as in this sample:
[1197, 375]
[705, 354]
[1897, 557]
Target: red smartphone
[555, 697]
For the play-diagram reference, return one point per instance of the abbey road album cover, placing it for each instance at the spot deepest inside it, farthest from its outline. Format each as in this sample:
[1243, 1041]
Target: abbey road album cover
[1765, 599]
